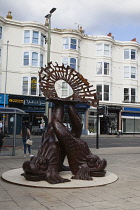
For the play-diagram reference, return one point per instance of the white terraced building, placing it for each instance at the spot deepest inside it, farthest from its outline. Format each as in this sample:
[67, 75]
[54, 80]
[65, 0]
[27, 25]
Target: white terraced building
[111, 66]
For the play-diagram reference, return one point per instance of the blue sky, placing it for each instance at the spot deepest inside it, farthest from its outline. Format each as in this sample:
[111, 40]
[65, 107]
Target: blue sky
[120, 17]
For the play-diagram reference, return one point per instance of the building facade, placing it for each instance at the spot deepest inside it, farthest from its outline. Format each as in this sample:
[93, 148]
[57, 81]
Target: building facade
[111, 66]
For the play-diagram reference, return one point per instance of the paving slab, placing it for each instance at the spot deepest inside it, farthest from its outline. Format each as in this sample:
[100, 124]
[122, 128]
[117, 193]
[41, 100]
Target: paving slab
[121, 195]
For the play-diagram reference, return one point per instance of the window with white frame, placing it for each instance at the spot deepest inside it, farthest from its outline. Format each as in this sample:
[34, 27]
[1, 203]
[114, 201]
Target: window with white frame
[26, 59]
[42, 40]
[129, 54]
[0, 55]
[41, 60]
[71, 43]
[103, 91]
[72, 62]
[64, 89]
[0, 32]
[29, 86]
[35, 37]
[130, 95]
[25, 86]
[33, 85]
[103, 68]
[103, 49]
[130, 72]
[27, 36]
[34, 59]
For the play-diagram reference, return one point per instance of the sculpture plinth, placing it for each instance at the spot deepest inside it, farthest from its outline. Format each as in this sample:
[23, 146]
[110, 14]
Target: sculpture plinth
[58, 140]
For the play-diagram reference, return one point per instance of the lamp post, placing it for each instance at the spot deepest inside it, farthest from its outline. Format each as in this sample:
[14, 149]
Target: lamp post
[6, 74]
[48, 23]
[5, 83]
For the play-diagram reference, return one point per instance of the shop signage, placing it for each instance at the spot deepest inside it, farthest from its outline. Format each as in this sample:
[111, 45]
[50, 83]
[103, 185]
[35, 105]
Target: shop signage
[2, 99]
[34, 102]
[115, 108]
[16, 100]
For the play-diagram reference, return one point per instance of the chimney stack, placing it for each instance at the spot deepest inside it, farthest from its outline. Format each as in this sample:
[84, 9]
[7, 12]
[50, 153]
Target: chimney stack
[9, 16]
[110, 34]
[134, 40]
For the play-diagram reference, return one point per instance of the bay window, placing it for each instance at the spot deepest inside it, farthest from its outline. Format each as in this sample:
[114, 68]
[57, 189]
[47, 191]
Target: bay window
[34, 59]
[33, 85]
[26, 59]
[0, 55]
[103, 49]
[25, 86]
[71, 43]
[130, 72]
[0, 32]
[72, 62]
[27, 36]
[129, 54]
[41, 60]
[30, 86]
[129, 95]
[64, 89]
[42, 40]
[103, 91]
[35, 37]
[103, 68]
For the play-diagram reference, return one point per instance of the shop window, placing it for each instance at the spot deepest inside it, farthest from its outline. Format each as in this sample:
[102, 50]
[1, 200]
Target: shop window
[102, 68]
[35, 37]
[34, 59]
[26, 59]
[130, 54]
[71, 43]
[103, 49]
[103, 91]
[27, 36]
[131, 125]
[130, 72]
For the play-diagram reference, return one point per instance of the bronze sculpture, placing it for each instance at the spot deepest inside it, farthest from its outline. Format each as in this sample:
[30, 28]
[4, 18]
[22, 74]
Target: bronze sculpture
[58, 140]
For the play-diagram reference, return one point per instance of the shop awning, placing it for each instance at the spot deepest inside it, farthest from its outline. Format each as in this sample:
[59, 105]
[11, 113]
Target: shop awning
[5, 110]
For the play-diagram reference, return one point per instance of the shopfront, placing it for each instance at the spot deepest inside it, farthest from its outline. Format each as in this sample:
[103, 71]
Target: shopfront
[131, 120]
[110, 122]
[109, 119]
[34, 106]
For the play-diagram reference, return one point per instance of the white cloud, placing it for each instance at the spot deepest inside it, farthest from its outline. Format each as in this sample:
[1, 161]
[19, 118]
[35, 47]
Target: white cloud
[95, 16]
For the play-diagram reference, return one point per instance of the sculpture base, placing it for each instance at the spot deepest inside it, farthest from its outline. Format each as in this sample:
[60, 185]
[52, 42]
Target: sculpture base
[14, 176]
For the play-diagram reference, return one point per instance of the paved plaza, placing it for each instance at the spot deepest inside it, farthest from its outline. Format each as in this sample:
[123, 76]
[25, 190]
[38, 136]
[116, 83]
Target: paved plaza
[120, 195]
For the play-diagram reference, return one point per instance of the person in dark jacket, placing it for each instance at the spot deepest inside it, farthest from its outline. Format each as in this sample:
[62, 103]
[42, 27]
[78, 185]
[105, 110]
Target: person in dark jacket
[25, 133]
[1, 138]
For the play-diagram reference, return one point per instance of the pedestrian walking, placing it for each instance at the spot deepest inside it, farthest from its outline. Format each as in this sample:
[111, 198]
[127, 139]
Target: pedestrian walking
[42, 127]
[0, 124]
[25, 133]
[1, 138]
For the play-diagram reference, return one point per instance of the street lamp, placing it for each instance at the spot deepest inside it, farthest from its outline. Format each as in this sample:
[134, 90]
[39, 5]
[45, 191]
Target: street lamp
[48, 23]
[5, 83]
